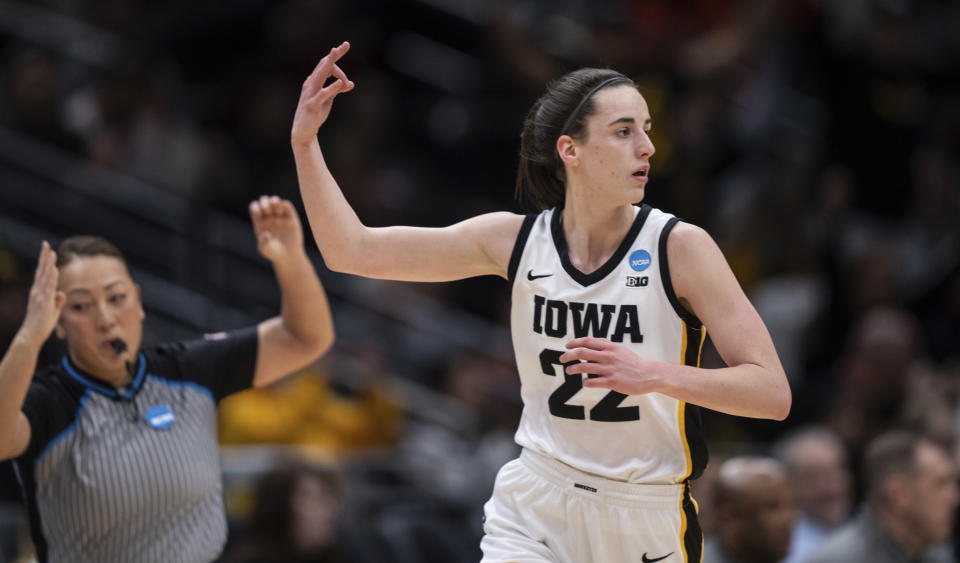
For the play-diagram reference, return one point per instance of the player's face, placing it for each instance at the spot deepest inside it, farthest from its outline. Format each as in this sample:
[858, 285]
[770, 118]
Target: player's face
[616, 153]
[103, 305]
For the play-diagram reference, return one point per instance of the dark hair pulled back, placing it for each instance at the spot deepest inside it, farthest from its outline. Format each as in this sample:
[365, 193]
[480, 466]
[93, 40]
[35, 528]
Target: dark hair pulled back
[87, 246]
[562, 110]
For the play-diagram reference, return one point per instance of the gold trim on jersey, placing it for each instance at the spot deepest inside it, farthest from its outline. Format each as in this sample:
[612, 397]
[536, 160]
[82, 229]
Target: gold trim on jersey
[682, 405]
[682, 423]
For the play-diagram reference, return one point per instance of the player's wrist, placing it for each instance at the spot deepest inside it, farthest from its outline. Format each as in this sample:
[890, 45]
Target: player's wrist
[300, 141]
[657, 377]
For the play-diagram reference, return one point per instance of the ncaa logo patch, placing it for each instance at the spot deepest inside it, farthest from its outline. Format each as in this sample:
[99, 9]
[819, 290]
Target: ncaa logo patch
[640, 260]
[160, 417]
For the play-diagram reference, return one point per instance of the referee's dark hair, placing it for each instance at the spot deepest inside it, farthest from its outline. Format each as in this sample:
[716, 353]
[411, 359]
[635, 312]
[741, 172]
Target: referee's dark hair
[87, 245]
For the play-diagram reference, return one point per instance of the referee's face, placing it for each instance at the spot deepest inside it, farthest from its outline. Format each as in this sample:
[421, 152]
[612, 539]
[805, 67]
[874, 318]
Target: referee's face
[103, 305]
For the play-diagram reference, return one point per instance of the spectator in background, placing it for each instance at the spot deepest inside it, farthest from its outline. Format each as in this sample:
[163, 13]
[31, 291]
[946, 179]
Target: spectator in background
[295, 519]
[931, 400]
[34, 100]
[911, 499]
[754, 512]
[130, 114]
[872, 375]
[819, 471]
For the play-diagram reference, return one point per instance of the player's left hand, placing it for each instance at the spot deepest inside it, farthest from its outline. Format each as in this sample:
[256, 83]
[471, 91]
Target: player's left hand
[277, 227]
[615, 366]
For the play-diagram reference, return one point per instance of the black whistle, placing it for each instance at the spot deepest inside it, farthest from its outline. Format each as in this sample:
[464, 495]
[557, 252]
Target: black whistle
[119, 346]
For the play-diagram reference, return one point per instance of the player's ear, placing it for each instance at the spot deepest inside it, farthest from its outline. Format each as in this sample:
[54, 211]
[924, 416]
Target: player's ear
[567, 150]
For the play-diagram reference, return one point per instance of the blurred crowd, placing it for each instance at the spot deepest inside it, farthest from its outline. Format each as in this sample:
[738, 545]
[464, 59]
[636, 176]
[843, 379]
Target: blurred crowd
[817, 141]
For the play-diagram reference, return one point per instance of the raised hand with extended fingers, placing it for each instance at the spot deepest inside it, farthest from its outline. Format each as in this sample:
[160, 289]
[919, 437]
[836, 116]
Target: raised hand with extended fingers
[20, 359]
[45, 302]
[316, 96]
[277, 227]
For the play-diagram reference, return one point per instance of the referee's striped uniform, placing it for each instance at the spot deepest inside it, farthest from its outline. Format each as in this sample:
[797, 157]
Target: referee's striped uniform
[133, 474]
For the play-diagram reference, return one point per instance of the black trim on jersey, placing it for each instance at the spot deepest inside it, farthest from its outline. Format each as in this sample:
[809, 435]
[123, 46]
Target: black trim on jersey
[593, 277]
[681, 311]
[691, 356]
[692, 414]
[699, 454]
[693, 537]
[518, 246]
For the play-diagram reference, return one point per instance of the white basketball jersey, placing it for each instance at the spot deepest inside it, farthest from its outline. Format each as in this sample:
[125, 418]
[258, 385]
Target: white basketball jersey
[649, 438]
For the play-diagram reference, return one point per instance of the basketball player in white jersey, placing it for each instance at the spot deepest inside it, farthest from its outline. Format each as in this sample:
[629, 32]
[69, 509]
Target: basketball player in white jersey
[610, 307]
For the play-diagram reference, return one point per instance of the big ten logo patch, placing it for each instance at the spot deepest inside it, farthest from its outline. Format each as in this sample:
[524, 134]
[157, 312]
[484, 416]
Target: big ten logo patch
[638, 281]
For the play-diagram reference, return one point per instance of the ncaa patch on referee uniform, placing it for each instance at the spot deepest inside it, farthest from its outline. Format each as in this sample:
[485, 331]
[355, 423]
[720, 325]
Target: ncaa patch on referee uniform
[160, 417]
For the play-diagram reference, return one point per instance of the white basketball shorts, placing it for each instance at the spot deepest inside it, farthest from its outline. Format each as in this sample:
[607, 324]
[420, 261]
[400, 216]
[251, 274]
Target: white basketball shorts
[544, 510]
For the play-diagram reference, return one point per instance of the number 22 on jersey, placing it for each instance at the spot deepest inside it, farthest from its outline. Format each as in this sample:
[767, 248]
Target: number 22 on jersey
[608, 409]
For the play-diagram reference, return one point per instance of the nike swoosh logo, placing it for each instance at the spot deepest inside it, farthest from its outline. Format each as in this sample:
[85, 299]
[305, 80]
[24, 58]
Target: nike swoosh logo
[532, 277]
[646, 559]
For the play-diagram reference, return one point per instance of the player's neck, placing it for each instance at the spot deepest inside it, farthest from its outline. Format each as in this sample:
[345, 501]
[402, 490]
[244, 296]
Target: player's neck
[593, 233]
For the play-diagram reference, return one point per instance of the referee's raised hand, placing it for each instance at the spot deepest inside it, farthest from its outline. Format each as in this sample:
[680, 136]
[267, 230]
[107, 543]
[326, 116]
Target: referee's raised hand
[45, 302]
[277, 227]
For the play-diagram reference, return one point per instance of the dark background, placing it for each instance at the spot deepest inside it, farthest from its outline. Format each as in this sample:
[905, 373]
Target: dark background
[816, 141]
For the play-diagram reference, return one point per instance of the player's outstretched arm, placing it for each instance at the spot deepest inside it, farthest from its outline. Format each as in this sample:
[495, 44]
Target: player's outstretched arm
[20, 361]
[754, 385]
[474, 247]
[304, 329]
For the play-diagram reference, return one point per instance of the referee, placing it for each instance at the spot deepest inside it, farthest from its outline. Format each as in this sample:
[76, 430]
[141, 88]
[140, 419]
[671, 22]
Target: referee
[116, 446]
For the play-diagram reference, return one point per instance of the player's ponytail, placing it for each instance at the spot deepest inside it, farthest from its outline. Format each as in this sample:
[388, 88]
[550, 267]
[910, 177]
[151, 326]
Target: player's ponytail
[562, 110]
